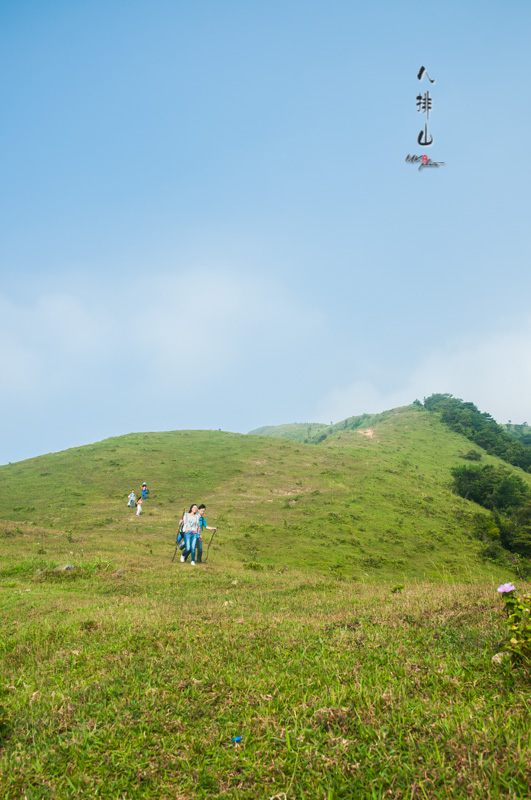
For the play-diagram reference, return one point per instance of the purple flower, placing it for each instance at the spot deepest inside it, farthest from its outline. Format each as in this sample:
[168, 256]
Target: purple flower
[506, 587]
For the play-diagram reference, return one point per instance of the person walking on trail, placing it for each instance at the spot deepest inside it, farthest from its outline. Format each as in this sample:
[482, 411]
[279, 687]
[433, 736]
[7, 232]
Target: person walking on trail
[190, 523]
[202, 527]
[131, 500]
[139, 506]
[145, 490]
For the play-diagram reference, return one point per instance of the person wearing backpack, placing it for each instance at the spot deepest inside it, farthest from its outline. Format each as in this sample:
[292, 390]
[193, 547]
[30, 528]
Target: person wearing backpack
[180, 535]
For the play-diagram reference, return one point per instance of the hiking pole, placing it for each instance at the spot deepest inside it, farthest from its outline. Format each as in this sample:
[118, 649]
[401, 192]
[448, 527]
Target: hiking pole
[210, 542]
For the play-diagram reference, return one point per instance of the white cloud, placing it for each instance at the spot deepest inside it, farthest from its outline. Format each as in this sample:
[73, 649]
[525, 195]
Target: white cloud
[216, 322]
[211, 347]
[46, 342]
[231, 325]
[184, 321]
[68, 325]
[20, 368]
[222, 322]
[493, 371]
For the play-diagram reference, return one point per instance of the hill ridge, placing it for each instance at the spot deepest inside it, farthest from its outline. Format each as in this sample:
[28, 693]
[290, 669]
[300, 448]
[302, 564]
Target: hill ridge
[356, 507]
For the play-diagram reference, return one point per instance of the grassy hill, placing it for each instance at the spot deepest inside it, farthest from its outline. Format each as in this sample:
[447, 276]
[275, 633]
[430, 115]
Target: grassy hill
[317, 432]
[291, 665]
[365, 503]
[295, 431]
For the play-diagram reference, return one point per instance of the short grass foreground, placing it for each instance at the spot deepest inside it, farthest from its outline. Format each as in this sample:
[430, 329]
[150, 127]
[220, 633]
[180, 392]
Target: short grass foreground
[201, 683]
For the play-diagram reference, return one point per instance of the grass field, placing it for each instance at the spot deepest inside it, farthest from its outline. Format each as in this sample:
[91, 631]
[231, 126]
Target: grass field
[129, 676]
[133, 685]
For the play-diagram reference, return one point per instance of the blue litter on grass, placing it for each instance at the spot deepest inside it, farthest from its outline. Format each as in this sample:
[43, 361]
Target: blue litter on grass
[236, 738]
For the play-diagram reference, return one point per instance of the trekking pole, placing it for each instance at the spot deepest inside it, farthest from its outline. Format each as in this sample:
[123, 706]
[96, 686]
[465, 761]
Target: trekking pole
[208, 548]
[176, 541]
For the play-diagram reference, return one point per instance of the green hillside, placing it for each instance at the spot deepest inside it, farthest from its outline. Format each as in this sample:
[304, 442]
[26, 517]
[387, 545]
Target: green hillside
[337, 644]
[296, 431]
[366, 503]
[317, 432]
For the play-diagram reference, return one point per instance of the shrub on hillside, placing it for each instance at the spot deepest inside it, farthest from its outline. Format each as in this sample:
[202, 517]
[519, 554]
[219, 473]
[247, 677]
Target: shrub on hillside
[509, 500]
[518, 611]
[465, 418]
[491, 487]
[515, 530]
[472, 455]
[493, 551]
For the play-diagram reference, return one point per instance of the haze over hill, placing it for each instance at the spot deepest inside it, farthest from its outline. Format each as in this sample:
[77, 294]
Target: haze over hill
[373, 499]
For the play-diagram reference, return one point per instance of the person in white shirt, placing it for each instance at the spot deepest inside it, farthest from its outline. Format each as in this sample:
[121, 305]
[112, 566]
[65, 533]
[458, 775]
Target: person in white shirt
[190, 523]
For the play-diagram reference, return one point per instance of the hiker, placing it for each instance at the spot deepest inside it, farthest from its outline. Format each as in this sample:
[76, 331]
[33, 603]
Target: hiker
[145, 490]
[202, 527]
[190, 523]
[131, 500]
[139, 506]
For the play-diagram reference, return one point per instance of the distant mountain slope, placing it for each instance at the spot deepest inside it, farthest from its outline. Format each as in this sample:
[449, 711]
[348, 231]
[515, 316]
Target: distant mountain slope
[479, 427]
[374, 500]
[316, 432]
[296, 431]
[520, 432]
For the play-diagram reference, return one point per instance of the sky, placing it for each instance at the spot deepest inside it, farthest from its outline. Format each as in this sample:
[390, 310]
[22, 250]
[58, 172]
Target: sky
[207, 219]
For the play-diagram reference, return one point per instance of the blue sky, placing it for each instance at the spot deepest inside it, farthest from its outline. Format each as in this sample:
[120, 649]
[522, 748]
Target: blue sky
[207, 220]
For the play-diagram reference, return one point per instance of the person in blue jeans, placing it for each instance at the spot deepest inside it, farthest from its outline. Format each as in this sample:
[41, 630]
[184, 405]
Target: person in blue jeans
[202, 527]
[190, 523]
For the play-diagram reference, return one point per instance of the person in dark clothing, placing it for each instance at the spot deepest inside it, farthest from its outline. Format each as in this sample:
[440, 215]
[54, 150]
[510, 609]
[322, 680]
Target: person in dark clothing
[202, 527]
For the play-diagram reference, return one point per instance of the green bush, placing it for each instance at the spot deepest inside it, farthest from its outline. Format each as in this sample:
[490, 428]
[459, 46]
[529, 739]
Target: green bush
[472, 455]
[490, 487]
[518, 623]
[254, 565]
